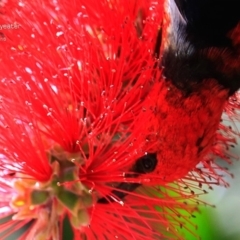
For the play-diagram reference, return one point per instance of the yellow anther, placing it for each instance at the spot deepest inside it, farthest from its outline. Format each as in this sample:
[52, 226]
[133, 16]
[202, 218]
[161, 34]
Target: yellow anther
[19, 203]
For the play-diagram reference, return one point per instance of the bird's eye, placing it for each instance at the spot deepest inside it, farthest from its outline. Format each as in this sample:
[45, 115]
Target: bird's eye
[146, 164]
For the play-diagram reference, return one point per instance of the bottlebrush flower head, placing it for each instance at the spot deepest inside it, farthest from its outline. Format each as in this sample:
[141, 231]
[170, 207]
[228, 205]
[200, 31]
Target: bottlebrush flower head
[83, 132]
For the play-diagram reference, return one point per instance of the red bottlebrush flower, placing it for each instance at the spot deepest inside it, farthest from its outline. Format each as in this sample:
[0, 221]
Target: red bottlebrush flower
[108, 119]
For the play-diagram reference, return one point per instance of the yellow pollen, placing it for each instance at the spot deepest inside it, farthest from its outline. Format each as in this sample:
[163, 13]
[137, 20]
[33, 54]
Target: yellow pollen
[19, 203]
[20, 47]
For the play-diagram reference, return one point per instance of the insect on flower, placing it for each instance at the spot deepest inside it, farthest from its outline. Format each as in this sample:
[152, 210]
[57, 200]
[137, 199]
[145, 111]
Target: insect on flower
[110, 115]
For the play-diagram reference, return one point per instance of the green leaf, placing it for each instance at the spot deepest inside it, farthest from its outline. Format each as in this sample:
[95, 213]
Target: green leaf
[67, 229]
